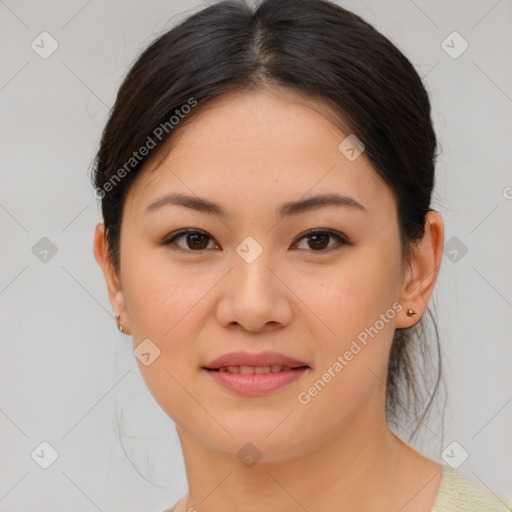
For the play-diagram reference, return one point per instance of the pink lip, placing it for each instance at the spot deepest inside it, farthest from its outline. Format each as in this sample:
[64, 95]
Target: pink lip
[255, 384]
[248, 359]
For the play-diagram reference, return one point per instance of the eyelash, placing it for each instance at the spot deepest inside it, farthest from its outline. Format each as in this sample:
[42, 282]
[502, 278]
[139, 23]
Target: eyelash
[342, 240]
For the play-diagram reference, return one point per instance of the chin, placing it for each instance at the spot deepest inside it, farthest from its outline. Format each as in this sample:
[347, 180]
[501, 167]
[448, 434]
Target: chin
[256, 439]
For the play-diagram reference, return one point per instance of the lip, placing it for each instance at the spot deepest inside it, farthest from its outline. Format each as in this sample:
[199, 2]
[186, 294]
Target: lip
[248, 359]
[255, 384]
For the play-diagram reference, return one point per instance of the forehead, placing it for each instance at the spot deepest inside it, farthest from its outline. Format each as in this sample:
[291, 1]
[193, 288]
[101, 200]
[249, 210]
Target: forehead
[258, 146]
[276, 121]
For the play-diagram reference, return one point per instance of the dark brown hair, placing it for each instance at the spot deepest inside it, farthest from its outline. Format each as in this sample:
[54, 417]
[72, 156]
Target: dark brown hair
[321, 51]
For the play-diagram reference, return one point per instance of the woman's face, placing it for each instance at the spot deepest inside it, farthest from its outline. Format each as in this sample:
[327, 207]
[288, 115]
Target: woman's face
[252, 280]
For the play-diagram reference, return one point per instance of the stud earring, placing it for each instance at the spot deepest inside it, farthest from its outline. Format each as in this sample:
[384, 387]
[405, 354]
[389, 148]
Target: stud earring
[411, 312]
[119, 326]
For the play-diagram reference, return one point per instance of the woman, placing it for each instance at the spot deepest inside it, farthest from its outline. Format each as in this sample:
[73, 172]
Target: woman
[268, 242]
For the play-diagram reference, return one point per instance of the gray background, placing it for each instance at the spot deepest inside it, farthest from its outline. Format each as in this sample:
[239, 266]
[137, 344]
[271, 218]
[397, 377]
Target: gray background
[67, 375]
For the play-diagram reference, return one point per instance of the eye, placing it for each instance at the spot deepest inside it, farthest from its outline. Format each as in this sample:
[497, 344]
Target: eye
[195, 240]
[319, 239]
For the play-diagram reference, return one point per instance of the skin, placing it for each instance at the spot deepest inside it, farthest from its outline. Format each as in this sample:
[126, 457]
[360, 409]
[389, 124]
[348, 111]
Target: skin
[250, 152]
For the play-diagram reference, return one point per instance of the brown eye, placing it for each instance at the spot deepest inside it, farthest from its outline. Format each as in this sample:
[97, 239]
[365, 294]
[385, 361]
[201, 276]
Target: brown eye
[195, 241]
[318, 240]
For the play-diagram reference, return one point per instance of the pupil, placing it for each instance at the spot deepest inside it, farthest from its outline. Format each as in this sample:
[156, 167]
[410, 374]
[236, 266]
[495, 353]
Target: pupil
[316, 237]
[194, 239]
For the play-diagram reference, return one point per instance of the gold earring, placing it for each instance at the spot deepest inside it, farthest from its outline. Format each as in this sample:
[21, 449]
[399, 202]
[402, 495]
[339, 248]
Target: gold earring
[411, 312]
[119, 326]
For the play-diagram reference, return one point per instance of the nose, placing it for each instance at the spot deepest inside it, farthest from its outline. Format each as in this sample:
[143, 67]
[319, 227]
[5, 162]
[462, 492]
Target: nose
[254, 296]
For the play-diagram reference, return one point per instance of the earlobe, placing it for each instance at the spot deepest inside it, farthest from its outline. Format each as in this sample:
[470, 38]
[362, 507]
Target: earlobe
[115, 292]
[425, 263]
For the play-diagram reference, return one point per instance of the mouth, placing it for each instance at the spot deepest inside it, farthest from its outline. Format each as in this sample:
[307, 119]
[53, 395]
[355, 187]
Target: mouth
[247, 370]
[247, 362]
[258, 379]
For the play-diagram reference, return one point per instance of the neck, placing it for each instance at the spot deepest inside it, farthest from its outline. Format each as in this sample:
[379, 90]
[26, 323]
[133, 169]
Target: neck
[365, 467]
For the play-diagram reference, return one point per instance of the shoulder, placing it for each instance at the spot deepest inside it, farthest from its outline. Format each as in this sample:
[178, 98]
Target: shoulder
[458, 493]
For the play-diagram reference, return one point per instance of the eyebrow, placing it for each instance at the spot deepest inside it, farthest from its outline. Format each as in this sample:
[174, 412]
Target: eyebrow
[285, 210]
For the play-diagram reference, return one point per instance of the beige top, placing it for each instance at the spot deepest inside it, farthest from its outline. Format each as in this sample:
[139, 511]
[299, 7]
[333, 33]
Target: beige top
[458, 493]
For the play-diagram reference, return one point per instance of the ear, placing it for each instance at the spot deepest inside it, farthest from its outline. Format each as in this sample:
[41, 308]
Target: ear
[115, 292]
[421, 276]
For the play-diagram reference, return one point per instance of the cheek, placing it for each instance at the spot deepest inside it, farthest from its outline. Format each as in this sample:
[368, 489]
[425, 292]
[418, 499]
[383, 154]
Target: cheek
[358, 308]
[352, 296]
[164, 307]
[351, 361]
[161, 298]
